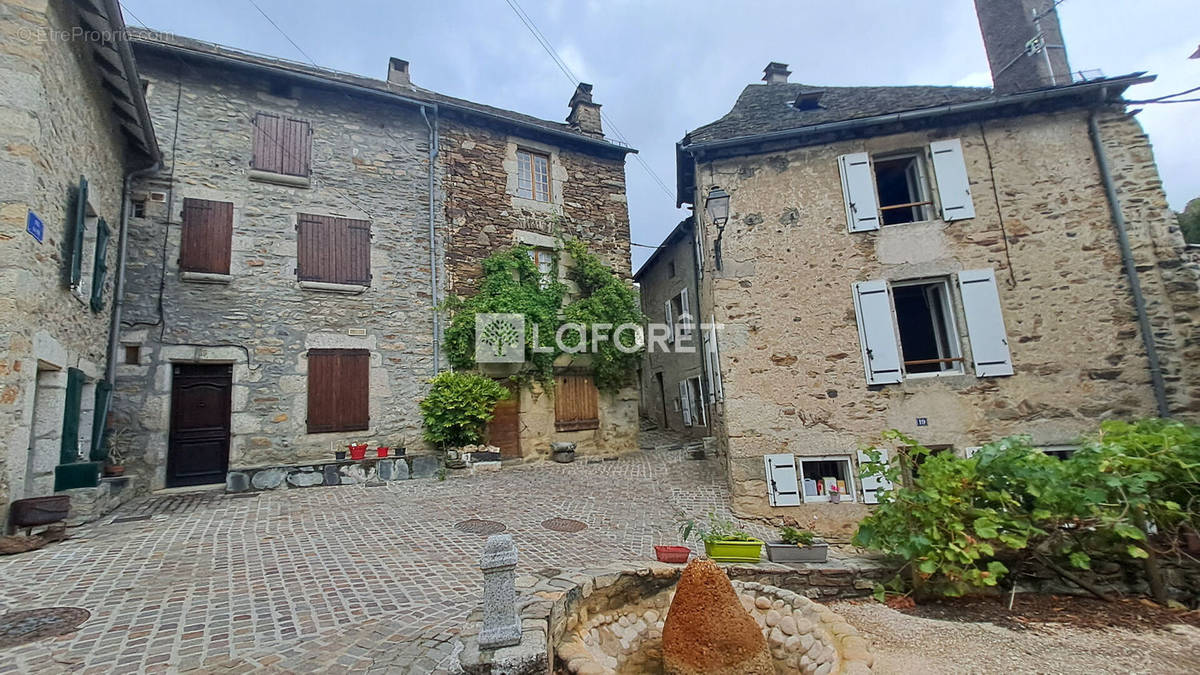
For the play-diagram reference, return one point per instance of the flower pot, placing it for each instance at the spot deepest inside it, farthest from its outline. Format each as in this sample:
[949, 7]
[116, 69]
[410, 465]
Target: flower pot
[381, 452]
[562, 452]
[397, 452]
[114, 471]
[358, 451]
[778, 551]
[835, 498]
[672, 554]
[339, 455]
[734, 551]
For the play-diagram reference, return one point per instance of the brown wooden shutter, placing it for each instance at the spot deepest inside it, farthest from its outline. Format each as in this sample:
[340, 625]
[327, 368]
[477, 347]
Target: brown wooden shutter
[339, 385]
[207, 236]
[333, 250]
[282, 145]
[575, 403]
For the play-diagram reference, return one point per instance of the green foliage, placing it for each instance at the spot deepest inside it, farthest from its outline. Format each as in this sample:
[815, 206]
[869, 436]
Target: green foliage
[716, 529]
[458, 407]
[960, 520]
[791, 535]
[605, 299]
[1189, 221]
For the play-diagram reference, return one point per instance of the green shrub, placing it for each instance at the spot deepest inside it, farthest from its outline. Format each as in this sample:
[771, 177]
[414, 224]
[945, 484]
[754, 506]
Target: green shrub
[790, 535]
[716, 529]
[458, 407]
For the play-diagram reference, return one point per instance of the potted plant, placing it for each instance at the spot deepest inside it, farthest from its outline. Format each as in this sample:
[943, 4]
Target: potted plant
[723, 541]
[398, 452]
[797, 546]
[358, 451]
[382, 451]
[562, 452]
[672, 554]
[339, 454]
[835, 495]
[458, 408]
[114, 460]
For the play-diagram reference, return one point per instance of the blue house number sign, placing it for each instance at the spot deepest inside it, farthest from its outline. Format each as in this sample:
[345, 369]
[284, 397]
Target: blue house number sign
[35, 227]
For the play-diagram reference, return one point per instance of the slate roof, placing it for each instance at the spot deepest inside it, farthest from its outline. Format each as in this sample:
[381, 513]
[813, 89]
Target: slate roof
[764, 108]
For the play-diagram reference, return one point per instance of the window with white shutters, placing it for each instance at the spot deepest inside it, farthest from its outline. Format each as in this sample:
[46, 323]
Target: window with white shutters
[685, 403]
[872, 484]
[783, 484]
[669, 319]
[950, 171]
[819, 476]
[858, 190]
[685, 313]
[713, 362]
[877, 332]
[985, 323]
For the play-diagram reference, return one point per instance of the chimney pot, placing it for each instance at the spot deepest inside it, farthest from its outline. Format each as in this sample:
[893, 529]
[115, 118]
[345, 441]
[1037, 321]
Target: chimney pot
[398, 72]
[776, 73]
[585, 114]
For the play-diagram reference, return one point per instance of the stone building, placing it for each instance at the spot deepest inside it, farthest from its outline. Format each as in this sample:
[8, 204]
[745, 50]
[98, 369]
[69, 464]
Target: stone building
[678, 384]
[957, 263]
[73, 127]
[290, 254]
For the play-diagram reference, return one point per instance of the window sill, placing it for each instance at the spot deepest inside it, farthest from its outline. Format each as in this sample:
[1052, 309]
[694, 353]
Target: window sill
[206, 277]
[824, 499]
[279, 178]
[324, 287]
[933, 376]
[535, 205]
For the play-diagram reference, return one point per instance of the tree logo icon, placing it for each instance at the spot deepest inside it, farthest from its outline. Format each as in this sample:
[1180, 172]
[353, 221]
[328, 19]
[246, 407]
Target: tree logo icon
[499, 338]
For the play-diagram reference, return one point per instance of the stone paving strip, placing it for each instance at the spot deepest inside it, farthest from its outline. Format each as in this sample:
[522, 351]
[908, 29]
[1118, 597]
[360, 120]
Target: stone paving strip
[333, 578]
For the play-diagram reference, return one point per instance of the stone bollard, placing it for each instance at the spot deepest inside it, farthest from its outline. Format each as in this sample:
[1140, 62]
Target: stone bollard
[501, 624]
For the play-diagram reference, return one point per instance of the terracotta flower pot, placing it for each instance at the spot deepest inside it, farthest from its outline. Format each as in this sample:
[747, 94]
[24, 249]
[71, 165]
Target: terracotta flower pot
[358, 451]
[381, 452]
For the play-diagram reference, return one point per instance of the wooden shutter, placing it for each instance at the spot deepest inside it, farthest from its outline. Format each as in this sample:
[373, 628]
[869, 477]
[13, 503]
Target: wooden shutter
[685, 403]
[872, 484]
[339, 385]
[69, 449]
[877, 332]
[985, 323]
[954, 187]
[100, 266]
[78, 227]
[333, 250]
[783, 486]
[282, 145]
[207, 236]
[576, 403]
[858, 191]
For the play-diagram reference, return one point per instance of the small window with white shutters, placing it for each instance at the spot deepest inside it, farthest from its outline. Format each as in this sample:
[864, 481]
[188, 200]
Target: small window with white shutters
[896, 188]
[903, 188]
[821, 477]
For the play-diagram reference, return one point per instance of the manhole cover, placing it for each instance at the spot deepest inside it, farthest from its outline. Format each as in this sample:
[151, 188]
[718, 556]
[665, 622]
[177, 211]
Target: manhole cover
[564, 525]
[33, 624]
[480, 527]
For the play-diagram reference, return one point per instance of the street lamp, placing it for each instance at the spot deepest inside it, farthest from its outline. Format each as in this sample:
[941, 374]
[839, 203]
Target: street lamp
[716, 205]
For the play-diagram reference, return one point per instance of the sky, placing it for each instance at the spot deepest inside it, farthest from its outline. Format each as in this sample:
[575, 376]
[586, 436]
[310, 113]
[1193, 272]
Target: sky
[662, 67]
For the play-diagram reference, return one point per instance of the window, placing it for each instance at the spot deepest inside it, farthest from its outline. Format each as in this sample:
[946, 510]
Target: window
[671, 269]
[818, 476]
[533, 176]
[575, 403]
[928, 336]
[921, 326]
[544, 259]
[678, 313]
[133, 355]
[903, 191]
[691, 398]
[207, 236]
[282, 145]
[891, 189]
[1060, 451]
[139, 208]
[338, 390]
[333, 250]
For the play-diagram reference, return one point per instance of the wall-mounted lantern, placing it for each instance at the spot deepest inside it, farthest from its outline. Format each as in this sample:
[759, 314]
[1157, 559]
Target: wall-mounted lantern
[716, 205]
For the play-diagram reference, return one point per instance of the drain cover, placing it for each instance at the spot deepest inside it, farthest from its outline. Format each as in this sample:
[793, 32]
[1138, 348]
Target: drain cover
[29, 625]
[129, 519]
[564, 525]
[480, 527]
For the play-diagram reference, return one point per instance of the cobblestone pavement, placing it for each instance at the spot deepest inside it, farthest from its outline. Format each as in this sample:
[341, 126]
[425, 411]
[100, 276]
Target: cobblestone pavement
[336, 579]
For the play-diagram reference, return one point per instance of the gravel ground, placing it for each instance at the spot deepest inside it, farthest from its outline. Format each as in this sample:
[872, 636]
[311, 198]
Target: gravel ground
[910, 644]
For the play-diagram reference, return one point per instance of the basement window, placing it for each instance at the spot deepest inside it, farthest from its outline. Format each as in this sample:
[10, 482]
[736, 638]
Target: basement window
[818, 475]
[133, 355]
[928, 336]
[903, 188]
[1060, 451]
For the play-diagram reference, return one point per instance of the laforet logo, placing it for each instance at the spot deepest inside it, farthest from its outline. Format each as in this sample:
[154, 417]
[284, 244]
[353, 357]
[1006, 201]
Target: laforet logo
[499, 338]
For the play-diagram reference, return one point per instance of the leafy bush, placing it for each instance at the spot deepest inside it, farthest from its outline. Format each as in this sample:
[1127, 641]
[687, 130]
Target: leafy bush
[790, 535]
[960, 523]
[716, 529]
[458, 407]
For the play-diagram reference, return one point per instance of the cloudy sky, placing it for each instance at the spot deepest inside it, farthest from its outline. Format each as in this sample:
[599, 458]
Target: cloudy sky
[662, 67]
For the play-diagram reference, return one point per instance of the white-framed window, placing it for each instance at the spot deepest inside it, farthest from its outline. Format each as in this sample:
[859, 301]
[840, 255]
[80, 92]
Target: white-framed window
[712, 356]
[533, 175]
[907, 328]
[691, 398]
[894, 188]
[678, 312]
[544, 259]
[819, 474]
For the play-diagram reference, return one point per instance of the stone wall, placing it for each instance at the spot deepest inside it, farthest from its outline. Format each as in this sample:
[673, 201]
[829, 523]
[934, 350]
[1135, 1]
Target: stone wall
[617, 433]
[55, 125]
[369, 161]
[791, 361]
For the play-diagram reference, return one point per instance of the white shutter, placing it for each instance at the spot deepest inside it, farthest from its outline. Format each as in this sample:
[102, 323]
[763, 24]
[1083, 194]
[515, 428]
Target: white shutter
[697, 237]
[714, 363]
[685, 404]
[985, 323]
[950, 171]
[872, 484]
[783, 487]
[970, 452]
[877, 332]
[858, 190]
[685, 319]
[669, 320]
[716, 359]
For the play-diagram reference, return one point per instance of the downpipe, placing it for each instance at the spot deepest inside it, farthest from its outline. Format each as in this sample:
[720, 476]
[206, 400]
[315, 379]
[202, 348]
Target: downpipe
[433, 272]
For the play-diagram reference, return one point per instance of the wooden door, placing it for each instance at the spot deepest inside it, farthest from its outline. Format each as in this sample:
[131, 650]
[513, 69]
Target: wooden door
[504, 431]
[198, 453]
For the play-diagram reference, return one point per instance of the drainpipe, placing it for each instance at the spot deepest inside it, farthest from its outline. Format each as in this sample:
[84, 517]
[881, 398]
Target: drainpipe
[1135, 286]
[433, 274]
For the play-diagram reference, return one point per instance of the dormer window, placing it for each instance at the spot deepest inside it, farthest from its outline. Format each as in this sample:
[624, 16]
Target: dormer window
[808, 100]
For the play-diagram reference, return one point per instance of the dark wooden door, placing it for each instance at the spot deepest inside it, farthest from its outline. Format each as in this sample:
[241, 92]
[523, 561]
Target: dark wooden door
[504, 431]
[198, 453]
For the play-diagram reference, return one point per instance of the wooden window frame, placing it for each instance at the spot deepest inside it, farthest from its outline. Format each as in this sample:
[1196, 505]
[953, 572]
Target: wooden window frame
[527, 169]
[345, 391]
[572, 415]
[215, 224]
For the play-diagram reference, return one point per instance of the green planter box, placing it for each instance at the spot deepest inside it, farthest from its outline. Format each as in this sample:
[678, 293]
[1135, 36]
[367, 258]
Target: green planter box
[734, 551]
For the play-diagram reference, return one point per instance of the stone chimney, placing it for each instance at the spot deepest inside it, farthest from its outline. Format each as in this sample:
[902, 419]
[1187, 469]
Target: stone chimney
[1024, 44]
[776, 73]
[585, 115]
[398, 72]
